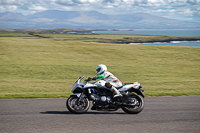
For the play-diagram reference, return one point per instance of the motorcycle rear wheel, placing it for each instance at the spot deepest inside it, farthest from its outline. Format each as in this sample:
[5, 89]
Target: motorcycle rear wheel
[77, 107]
[136, 108]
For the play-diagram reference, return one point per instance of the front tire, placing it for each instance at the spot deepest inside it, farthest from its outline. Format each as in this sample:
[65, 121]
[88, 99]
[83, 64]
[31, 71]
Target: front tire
[77, 107]
[133, 104]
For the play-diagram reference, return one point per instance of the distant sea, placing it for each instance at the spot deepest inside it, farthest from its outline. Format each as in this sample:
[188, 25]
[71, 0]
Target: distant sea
[163, 33]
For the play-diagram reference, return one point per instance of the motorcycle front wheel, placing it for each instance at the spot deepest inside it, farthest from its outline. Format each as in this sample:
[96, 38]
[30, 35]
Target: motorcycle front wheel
[134, 104]
[76, 106]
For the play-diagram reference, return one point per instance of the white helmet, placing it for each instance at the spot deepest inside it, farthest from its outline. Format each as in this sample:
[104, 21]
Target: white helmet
[101, 69]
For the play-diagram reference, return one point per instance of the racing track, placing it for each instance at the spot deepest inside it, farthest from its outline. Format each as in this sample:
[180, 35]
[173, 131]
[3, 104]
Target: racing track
[160, 115]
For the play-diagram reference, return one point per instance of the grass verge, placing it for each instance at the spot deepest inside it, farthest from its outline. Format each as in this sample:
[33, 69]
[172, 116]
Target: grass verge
[47, 68]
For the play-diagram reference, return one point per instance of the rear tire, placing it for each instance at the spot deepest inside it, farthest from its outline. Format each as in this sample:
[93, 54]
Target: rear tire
[131, 107]
[77, 107]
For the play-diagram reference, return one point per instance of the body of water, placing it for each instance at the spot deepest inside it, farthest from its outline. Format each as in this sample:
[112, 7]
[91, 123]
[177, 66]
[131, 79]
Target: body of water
[163, 33]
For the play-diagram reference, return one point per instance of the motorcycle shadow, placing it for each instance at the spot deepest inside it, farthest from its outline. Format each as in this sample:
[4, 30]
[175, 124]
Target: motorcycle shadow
[89, 112]
[55, 112]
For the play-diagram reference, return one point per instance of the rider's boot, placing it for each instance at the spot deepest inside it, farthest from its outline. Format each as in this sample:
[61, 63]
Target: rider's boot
[117, 93]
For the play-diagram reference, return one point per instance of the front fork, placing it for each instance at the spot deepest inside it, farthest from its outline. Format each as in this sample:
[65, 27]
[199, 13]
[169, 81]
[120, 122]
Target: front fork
[80, 96]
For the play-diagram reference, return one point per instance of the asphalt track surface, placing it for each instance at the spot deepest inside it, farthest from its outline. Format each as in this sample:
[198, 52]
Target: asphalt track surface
[160, 115]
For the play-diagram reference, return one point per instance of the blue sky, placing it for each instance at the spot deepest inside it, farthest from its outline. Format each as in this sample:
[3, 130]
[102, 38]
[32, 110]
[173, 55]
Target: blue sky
[188, 10]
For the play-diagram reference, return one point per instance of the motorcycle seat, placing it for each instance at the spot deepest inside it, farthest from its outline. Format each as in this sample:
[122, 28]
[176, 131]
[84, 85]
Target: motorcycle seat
[128, 83]
[119, 87]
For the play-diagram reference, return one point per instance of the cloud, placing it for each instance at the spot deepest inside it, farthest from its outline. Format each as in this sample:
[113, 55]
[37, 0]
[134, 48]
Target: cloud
[177, 9]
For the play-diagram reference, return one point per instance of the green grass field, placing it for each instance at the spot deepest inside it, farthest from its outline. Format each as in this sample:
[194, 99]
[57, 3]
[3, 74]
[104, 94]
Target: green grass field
[35, 67]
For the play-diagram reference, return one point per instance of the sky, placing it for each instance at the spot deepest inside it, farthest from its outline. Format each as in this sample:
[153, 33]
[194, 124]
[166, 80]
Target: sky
[188, 10]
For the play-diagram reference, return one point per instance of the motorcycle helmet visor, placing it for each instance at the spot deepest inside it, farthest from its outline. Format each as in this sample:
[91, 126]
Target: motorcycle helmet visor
[98, 70]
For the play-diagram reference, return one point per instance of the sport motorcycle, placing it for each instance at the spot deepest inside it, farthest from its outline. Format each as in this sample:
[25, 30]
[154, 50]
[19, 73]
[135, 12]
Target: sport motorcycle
[102, 98]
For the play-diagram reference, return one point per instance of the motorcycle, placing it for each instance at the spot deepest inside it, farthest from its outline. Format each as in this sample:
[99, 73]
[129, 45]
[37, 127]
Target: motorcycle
[102, 98]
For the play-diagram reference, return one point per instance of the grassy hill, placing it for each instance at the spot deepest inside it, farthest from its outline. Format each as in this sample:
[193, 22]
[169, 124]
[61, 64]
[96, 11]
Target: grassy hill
[58, 30]
[36, 67]
[59, 35]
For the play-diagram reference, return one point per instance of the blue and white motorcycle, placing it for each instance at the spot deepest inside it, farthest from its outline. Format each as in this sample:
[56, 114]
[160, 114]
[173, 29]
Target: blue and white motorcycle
[102, 98]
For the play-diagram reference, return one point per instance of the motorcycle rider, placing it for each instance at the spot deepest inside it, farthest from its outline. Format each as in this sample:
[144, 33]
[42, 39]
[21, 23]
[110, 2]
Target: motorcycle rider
[111, 81]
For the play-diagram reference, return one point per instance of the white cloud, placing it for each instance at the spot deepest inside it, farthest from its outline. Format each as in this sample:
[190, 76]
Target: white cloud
[194, 1]
[9, 8]
[37, 8]
[170, 8]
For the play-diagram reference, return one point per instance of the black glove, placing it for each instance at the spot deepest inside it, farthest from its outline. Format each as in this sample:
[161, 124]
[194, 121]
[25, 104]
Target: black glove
[90, 78]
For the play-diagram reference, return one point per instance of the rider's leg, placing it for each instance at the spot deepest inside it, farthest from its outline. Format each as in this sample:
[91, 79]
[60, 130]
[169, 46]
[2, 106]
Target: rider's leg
[117, 93]
[113, 89]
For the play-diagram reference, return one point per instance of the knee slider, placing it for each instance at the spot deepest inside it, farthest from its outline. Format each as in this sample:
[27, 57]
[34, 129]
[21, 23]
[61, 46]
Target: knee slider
[108, 85]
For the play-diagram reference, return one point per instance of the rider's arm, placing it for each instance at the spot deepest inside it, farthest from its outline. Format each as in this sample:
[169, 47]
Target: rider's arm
[98, 77]
[95, 78]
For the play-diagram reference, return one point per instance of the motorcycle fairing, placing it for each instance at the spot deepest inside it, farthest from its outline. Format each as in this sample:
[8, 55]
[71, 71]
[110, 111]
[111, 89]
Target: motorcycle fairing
[100, 83]
[78, 95]
[90, 86]
[77, 83]
[129, 86]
